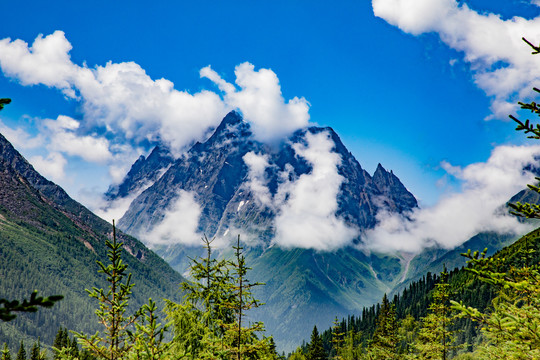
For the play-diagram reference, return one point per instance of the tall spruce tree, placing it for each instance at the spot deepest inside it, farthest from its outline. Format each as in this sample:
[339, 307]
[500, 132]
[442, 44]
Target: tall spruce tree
[243, 337]
[337, 339]
[436, 337]
[21, 354]
[113, 305]
[384, 344]
[315, 348]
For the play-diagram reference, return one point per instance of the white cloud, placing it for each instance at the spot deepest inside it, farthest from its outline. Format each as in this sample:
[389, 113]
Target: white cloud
[19, 138]
[261, 102]
[47, 62]
[501, 62]
[307, 206]
[180, 223]
[64, 138]
[119, 101]
[459, 216]
[52, 167]
[124, 110]
[257, 180]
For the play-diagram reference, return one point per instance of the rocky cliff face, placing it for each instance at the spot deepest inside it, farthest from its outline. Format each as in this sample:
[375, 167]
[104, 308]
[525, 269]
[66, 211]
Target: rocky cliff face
[142, 174]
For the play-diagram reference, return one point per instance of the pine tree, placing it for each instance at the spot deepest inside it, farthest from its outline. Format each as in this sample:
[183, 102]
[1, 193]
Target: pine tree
[351, 349]
[315, 348]
[384, 344]
[511, 330]
[35, 352]
[210, 322]
[337, 339]
[112, 308]
[297, 355]
[21, 355]
[198, 322]
[61, 341]
[148, 340]
[244, 338]
[5, 354]
[435, 338]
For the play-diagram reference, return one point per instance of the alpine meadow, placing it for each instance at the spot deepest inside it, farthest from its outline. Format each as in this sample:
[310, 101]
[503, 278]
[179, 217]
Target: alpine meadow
[270, 180]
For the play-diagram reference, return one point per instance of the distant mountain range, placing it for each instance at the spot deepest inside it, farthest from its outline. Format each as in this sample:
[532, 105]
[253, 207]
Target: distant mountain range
[50, 243]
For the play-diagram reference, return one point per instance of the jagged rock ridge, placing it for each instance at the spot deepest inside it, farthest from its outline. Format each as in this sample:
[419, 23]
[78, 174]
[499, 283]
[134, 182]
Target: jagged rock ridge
[216, 172]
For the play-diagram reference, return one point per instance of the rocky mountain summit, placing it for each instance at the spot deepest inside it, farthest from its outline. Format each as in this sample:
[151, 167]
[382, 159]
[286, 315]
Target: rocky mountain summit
[241, 185]
[216, 171]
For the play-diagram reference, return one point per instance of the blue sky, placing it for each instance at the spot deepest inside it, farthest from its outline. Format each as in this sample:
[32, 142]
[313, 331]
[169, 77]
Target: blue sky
[401, 86]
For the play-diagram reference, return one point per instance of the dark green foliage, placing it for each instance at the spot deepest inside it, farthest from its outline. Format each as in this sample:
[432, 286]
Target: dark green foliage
[35, 352]
[9, 307]
[21, 354]
[210, 323]
[315, 350]
[242, 301]
[65, 346]
[148, 340]
[60, 341]
[384, 343]
[4, 101]
[436, 338]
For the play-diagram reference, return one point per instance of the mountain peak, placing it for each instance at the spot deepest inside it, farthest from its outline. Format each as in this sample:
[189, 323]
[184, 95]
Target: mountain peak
[144, 171]
[231, 119]
[232, 126]
[393, 188]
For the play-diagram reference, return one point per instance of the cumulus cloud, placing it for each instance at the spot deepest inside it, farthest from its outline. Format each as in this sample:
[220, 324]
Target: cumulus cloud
[52, 166]
[304, 220]
[63, 138]
[180, 223]
[122, 107]
[459, 216]
[123, 110]
[261, 102]
[21, 139]
[501, 62]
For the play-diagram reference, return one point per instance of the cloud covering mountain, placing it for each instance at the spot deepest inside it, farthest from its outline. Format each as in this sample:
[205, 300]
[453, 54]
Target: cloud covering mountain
[123, 110]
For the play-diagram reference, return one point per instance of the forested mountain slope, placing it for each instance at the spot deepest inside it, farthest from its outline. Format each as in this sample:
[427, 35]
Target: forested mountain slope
[50, 243]
[415, 299]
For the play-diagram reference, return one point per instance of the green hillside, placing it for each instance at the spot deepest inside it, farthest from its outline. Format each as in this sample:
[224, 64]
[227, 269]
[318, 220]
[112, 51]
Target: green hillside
[50, 243]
